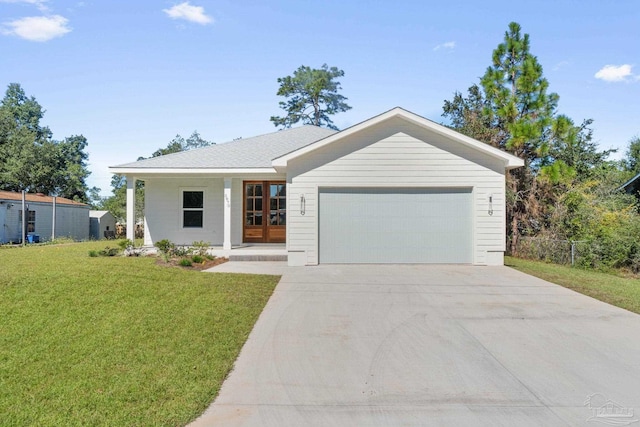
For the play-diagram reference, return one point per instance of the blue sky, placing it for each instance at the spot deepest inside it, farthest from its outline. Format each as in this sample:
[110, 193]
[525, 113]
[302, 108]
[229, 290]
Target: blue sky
[130, 75]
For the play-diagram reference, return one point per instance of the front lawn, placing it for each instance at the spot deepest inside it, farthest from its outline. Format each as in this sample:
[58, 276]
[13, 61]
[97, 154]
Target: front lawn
[116, 341]
[619, 291]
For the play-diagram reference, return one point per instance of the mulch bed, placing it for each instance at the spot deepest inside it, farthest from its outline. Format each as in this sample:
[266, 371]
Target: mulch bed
[208, 263]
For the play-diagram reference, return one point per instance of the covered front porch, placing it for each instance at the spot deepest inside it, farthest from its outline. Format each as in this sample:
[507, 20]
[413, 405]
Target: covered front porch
[246, 214]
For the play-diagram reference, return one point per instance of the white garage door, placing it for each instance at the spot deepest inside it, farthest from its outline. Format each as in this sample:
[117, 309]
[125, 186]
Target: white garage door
[395, 225]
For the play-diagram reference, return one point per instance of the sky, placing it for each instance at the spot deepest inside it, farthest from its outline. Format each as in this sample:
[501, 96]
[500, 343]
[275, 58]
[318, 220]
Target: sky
[130, 75]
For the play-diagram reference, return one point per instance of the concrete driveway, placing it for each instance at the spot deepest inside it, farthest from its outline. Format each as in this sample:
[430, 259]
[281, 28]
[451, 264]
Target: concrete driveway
[390, 345]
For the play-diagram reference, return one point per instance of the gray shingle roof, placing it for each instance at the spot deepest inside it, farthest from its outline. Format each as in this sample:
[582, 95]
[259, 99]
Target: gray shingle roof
[254, 152]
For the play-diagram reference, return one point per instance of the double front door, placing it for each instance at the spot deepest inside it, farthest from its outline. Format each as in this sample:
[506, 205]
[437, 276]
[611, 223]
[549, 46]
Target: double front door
[265, 212]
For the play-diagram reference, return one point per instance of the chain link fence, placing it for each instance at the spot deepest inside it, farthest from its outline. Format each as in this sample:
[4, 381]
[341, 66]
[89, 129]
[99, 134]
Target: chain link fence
[566, 252]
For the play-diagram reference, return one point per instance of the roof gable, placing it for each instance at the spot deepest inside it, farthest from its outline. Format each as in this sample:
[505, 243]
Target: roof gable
[510, 161]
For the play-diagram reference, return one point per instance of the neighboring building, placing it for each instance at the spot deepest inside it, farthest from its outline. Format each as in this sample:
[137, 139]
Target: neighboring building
[632, 186]
[72, 218]
[396, 188]
[102, 225]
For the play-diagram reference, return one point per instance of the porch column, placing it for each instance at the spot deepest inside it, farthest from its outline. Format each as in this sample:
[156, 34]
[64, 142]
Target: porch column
[131, 207]
[227, 214]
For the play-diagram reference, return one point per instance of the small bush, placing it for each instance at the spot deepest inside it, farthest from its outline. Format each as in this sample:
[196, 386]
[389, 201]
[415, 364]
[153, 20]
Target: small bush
[185, 262]
[201, 247]
[126, 243]
[197, 259]
[165, 246]
[182, 251]
[93, 254]
[109, 251]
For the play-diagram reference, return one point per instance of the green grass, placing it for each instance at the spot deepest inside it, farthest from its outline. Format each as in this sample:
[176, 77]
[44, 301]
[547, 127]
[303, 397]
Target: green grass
[620, 291]
[116, 341]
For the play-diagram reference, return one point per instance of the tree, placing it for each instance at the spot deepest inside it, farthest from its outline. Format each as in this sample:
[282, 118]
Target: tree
[512, 110]
[30, 159]
[312, 97]
[632, 160]
[574, 147]
[469, 116]
[179, 144]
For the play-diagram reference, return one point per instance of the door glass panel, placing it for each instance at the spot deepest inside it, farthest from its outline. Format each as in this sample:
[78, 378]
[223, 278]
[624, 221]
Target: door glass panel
[283, 204]
[282, 218]
[249, 218]
[257, 218]
[258, 192]
[250, 189]
[283, 190]
[258, 206]
[274, 204]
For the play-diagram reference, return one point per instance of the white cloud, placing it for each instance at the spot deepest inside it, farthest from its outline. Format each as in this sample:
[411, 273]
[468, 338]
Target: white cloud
[446, 45]
[615, 73]
[37, 28]
[561, 64]
[40, 4]
[188, 12]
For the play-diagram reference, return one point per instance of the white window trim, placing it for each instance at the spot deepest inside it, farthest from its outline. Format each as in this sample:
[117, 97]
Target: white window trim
[203, 209]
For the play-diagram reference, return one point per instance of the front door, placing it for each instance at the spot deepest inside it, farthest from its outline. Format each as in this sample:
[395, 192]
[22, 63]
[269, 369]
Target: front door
[265, 212]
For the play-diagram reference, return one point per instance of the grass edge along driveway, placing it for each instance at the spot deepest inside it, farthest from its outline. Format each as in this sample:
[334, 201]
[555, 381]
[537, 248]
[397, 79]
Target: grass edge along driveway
[620, 291]
[116, 341]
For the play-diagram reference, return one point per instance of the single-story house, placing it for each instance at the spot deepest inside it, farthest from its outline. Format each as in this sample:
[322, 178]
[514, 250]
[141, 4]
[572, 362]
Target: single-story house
[396, 188]
[102, 224]
[71, 217]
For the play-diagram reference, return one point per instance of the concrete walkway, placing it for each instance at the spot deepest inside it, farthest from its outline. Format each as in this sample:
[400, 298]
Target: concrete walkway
[276, 268]
[430, 346]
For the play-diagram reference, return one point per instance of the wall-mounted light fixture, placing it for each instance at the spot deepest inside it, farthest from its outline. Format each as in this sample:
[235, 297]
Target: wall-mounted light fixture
[303, 205]
[490, 204]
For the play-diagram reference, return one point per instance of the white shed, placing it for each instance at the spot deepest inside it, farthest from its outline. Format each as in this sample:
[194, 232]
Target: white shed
[101, 222]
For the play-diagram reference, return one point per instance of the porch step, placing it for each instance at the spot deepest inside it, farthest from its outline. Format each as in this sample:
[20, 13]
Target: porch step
[247, 257]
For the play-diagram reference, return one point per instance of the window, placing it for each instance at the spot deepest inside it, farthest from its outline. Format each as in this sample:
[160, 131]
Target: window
[31, 221]
[192, 209]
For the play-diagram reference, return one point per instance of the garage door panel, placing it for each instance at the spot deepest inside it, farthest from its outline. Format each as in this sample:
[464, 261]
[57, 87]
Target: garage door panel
[375, 225]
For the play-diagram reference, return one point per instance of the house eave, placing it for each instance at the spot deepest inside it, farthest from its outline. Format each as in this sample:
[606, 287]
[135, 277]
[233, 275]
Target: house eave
[191, 171]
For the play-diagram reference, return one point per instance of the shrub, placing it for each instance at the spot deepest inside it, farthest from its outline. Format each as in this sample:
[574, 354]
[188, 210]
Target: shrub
[165, 246]
[201, 247]
[197, 259]
[181, 251]
[109, 251]
[185, 262]
[93, 254]
[126, 243]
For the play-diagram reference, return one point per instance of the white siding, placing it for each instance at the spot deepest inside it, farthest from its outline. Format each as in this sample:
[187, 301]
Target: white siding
[163, 209]
[397, 155]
